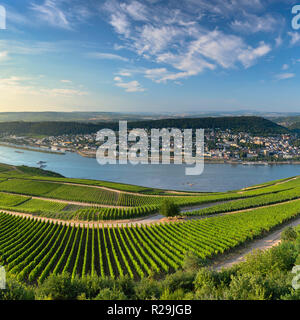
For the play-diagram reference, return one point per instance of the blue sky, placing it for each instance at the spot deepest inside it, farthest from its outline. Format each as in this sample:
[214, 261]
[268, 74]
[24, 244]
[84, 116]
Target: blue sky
[149, 56]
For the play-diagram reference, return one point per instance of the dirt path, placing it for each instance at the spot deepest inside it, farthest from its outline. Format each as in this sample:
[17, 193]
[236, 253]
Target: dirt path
[77, 203]
[109, 223]
[155, 218]
[88, 204]
[175, 193]
[103, 188]
[243, 210]
[266, 243]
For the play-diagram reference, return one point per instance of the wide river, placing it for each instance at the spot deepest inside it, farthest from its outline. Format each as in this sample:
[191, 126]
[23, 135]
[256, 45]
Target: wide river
[216, 177]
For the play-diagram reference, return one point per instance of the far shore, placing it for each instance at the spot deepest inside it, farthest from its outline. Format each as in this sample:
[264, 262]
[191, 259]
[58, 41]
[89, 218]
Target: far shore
[213, 161]
[92, 155]
[27, 148]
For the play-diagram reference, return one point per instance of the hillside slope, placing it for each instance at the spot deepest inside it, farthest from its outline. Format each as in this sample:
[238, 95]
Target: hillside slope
[254, 125]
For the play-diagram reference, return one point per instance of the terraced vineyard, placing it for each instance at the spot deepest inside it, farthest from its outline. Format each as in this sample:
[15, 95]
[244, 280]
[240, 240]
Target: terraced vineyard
[247, 203]
[87, 203]
[33, 249]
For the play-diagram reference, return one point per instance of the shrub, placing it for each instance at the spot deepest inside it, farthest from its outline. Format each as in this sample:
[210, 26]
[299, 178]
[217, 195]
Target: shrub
[59, 287]
[247, 287]
[16, 290]
[289, 234]
[169, 209]
[175, 295]
[193, 262]
[179, 280]
[147, 289]
[110, 294]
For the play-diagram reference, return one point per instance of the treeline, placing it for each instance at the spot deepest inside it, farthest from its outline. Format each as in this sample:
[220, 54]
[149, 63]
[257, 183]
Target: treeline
[254, 125]
[251, 124]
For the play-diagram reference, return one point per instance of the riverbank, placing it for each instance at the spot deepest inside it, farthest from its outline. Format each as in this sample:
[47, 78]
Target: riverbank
[215, 177]
[26, 148]
[92, 155]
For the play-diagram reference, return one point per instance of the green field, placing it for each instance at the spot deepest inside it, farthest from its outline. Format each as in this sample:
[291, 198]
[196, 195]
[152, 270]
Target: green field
[242, 204]
[32, 250]
[86, 200]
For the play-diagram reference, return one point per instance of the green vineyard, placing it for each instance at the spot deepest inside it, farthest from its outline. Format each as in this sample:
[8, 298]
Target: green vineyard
[87, 203]
[33, 249]
[248, 203]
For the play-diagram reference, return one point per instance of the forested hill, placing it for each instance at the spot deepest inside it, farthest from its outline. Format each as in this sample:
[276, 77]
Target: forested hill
[254, 125]
[295, 127]
[257, 125]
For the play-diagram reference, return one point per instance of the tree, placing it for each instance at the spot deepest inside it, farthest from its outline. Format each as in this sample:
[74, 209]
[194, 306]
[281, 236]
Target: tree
[289, 234]
[169, 209]
[193, 262]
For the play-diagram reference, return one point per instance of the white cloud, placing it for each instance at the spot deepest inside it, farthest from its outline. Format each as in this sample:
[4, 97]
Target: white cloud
[64, 92]
[53, 15]
[175, 38]
[210, 50]
[125, 73]
[136, 10]
[295, 37]
[249, 56]
[120, 23]
[62, 14]
[107, 56]
[3, 56]
[66, 81]
[251, 23]
[12, 81]
[224, 8]
[25, 85]
[285, 76]
[118, 47]
[155, 74]
[155, 39]
[218, 47]
[285, 67]
[132, 86]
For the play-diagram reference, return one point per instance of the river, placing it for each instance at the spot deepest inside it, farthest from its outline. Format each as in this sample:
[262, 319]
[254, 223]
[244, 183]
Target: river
[216, 177]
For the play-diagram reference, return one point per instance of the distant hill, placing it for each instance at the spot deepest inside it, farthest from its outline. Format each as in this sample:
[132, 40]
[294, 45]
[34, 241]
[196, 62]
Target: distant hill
[295, 127]
[254, 125]
[70, 116]
[100, 116]
[251, 124]
[291, 122]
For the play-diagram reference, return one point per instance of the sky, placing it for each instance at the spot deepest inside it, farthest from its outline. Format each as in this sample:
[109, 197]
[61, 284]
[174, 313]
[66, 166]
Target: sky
[149, 56]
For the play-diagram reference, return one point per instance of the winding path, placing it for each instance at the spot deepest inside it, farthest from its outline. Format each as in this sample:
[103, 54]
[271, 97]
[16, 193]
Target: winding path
[224, 262]
[266, 243]
[148, 220]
